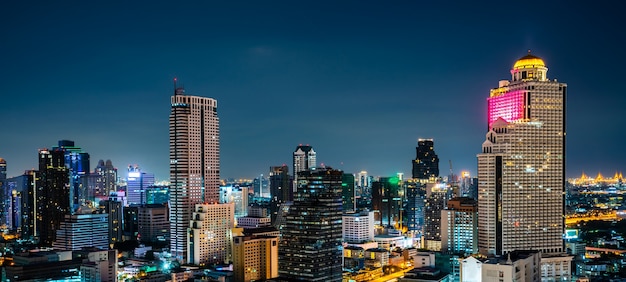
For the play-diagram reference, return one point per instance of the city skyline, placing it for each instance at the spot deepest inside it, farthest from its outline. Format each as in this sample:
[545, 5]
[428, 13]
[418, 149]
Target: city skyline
[358, 81]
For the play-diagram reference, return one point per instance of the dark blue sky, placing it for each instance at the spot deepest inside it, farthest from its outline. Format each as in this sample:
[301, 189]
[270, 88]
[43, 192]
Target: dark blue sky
[360, 81]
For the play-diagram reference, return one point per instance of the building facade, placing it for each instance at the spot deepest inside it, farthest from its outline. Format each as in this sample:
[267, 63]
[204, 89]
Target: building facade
[358, 227]
[304, 158]
[255, 258]
[194, 162]
[458, 226]
[79, 231]
[310, 247]
[426, 163]
[210, 234]
[521, 169]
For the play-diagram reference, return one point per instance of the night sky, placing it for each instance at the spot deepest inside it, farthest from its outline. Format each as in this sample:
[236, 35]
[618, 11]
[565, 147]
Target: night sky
[360, 81]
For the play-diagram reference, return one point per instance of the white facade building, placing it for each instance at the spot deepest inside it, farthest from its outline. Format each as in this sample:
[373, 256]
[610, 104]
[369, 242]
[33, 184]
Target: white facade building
[210, 235]
[521, 169]
[358, 227]
[194, 162]
[83, 231]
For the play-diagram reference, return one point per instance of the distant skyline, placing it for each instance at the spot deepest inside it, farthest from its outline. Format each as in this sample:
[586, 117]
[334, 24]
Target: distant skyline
[360, 81]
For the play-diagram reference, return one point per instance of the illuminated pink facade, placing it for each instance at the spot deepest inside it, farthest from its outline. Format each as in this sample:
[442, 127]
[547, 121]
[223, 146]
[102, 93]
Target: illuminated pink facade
[509, 106]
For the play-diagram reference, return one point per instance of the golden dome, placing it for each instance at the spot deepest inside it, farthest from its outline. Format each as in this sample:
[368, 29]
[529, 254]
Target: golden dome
[529, 61]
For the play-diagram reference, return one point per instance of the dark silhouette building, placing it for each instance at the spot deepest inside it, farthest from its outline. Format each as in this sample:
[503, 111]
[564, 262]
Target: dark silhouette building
[387, 201]
[310, 248]
[348, 195]
[50, 198]
[426, 163]
[280, 188]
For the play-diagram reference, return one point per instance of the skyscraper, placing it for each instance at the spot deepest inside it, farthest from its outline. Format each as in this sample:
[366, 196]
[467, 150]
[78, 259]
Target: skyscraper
[5, 197]
[310, 247]
[194, 162]
[77, 163]
[426, 163]
[521, 169]
[106, 179]
[136, 185]
[304, 158]
[387, 201]
[50, 199]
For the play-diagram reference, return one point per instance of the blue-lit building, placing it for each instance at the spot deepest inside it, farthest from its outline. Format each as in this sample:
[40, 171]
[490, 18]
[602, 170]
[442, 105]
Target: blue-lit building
[136, 185]
[414, 210]
[157, 194]
[77, 162]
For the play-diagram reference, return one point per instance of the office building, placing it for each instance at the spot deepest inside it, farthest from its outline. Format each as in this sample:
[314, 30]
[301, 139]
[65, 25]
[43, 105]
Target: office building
[304, 158]
[114, 209]
[458, 226]
[357, 227]
[4, 193]
[521, 169]
[153, 223]
[280, 188]
[136, 184]
[387, 201]
[414, 211]
[348, 194]
[426, 163]
[279, 182]
[210, 235]
[79, 231]
[437, 195]
[106, 179]
[157, 194]
[194, 162]
[236, 195]
[255, 258]
[261, 187]
[310, 247]
[50, 197]
[77, 163]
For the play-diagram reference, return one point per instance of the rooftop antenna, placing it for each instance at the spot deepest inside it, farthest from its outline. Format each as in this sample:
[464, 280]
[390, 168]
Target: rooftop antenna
[175, 80]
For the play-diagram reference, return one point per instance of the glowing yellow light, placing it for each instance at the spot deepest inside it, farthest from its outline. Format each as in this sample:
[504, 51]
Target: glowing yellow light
[529, 61]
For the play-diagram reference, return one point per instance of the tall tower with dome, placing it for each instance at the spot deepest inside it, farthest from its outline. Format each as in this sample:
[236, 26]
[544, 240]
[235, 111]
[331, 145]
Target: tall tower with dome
[521, 167]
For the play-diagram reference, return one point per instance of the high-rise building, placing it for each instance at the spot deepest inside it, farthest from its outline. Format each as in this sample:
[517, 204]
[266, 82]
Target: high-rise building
[280, 188]
[426, 163]
[50, 198]
[106, 180]
[136, 185]
[261, 187]
[437, 195]
[114, 209]
[194, 162]
[458, 226]
[348, 194]
[210, 235]
[387, 201]
[358, 227]
[414, 211]
[236, 195]
[521, 169]
[310, 247]
[304, 158]
[5, 196]
[77, 163]
[16, 190]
